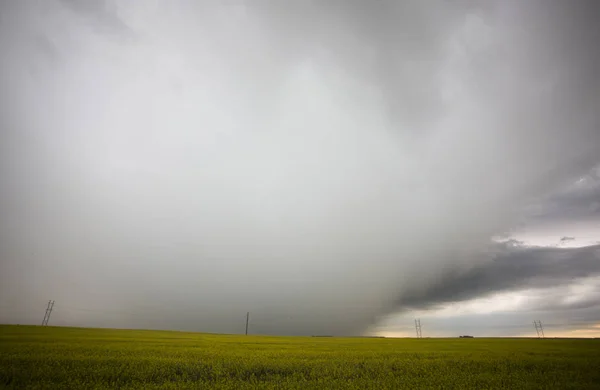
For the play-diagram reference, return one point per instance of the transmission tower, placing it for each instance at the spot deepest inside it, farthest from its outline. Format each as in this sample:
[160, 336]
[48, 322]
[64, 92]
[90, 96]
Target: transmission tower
[539, 329]
[48, 312]
[247, 319]
[418, 328]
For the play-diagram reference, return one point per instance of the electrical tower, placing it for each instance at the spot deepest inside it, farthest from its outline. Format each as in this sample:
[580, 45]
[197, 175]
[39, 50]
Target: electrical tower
[48, 312]
[247, 319]
[418, 328]
[539, 329]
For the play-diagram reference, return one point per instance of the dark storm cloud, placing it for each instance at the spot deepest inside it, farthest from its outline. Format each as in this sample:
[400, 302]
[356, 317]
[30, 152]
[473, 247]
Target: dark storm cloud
[314, 163]
[367, 42]
[579, 201]
[519, 284]
[514, 268]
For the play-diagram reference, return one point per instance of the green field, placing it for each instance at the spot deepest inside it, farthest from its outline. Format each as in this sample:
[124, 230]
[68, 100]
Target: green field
[74, 358]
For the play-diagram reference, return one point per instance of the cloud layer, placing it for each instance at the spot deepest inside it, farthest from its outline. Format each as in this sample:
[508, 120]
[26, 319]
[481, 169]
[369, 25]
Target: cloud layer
[313, 163]
[512, 268]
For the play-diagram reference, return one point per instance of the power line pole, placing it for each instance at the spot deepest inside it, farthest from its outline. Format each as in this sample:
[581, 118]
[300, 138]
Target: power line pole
[539, 329]
[418, 328]
[247, 319]
[48, 312]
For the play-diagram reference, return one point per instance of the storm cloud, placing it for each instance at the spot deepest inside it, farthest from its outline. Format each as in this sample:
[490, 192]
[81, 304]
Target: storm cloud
[512, 268]
[177, 164]
[578, 201]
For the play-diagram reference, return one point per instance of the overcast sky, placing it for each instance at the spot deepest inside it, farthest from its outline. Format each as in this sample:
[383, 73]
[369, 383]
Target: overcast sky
[332, 167]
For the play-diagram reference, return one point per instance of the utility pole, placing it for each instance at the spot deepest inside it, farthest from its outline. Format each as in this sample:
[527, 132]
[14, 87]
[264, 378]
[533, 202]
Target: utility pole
[48, 312]
[418, 328]
[247, 319]
[539, 329]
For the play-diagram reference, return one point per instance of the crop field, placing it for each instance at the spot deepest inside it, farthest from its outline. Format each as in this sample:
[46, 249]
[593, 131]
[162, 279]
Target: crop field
[78, 358]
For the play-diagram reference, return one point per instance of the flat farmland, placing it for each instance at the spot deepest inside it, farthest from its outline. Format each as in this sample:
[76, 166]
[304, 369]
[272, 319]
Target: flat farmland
[33, 357]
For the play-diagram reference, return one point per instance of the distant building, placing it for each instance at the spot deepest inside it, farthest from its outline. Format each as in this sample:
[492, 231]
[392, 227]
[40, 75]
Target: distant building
[465, 337]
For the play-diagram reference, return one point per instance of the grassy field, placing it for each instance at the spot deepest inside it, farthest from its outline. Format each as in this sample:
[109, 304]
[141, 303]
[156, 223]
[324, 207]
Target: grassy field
[77, 358]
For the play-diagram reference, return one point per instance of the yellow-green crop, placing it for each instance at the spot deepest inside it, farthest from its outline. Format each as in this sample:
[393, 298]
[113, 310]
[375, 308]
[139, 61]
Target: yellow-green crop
[76, 358]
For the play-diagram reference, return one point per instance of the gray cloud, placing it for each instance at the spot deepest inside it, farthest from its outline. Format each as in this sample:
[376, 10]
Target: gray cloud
[313, 163]
[513, 268]
[580, 201]
[560, 286]
[102, 16]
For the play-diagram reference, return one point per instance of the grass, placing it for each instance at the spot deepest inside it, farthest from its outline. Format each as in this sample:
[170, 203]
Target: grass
[77, 358]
